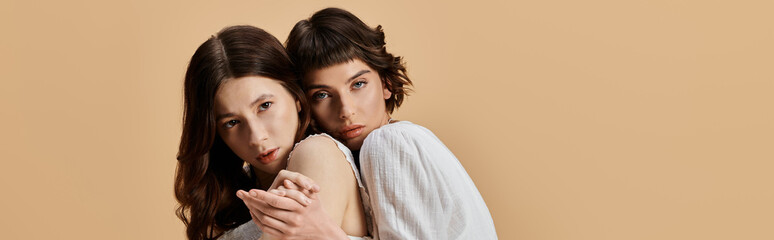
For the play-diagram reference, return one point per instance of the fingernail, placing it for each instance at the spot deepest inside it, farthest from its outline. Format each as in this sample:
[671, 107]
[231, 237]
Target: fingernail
[308, 201]
[239, 194]
[253, 194]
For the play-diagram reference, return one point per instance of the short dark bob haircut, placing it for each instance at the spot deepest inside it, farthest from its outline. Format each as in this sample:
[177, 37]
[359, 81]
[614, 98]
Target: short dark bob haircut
[333, 36]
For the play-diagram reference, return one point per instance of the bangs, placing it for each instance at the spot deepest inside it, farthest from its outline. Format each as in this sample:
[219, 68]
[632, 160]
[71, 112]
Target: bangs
[324, 48]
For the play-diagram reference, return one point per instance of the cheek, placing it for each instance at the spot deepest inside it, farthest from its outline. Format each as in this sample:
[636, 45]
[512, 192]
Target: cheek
[235, 143]
[323, 115]
[291, 126]
[320, 111]
[375, 99]
[285, 123]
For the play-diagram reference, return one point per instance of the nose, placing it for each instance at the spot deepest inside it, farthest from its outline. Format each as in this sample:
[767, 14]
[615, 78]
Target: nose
[257, 133]
[347, 107]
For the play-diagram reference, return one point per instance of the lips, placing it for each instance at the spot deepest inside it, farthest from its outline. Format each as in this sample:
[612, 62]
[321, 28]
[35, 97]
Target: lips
[352, 131]
[268, 156]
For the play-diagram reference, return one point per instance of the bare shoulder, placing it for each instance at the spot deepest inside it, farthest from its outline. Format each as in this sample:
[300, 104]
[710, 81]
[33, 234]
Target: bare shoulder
[317, 145]
[317, 151]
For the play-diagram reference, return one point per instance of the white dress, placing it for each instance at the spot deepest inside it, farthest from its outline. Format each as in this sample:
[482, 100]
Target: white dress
[418, 188]
[250, 231]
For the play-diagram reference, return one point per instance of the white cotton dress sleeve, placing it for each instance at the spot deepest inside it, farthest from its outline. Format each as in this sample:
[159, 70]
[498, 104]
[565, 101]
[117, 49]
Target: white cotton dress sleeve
[250, 231]
[418, 188]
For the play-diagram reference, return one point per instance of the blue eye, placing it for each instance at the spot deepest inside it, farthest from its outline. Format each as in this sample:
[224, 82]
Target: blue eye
[359, 84]
[264, 106]
[230, 124]
[320, 95]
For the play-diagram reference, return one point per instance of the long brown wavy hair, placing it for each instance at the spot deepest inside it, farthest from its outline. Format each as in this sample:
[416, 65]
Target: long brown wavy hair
[208, 172]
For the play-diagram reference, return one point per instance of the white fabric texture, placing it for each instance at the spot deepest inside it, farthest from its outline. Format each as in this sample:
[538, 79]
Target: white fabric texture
[250, 231]
[246, 231]
[418, 188]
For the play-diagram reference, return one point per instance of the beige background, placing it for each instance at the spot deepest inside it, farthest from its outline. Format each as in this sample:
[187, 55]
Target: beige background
[576, 119]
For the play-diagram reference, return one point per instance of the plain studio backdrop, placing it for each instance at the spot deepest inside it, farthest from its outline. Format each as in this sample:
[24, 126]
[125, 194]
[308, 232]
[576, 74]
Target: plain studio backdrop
[576, 119]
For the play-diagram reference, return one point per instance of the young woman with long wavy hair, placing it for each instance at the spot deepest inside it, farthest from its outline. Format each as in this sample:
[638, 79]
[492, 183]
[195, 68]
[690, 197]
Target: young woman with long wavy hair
[243, 116]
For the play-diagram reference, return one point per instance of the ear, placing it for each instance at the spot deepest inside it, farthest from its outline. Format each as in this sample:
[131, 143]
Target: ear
[386, 93]
[298, 106]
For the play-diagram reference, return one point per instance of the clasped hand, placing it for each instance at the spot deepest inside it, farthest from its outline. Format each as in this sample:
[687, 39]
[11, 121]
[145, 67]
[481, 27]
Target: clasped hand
[291, 208]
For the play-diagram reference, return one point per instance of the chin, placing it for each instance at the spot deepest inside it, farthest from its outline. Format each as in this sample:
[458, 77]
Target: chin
[274, 170]
[355, 143]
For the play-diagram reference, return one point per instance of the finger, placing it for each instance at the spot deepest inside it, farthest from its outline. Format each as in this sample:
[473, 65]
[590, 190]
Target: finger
[264, 228]
[254, 204]
[260, 205]
[278, 191]
[307, 192]
[297, 178]
[241, 194]
[281, 176]
[290, 185]
[305, 182]
[296, 195]
[274, 224]
[282, 190]
[261, 210]
[248, 197]
[257, 218]
[276, 201]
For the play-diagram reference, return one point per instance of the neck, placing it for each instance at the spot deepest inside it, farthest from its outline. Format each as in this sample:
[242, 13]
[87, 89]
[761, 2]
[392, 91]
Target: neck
[385, 120]
[263, 180]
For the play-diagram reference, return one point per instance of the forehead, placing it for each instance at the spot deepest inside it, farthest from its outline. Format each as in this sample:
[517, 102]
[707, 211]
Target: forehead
[241, 92]
[338, 73]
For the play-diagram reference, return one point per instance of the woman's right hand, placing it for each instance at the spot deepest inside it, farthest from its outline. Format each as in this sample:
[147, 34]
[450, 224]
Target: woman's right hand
[294, 180]
[295, 186]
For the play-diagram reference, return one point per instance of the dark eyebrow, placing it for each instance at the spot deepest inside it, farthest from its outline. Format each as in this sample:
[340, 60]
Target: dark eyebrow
[316, 86]
[256, 101]
[358, 74]
[222, 116]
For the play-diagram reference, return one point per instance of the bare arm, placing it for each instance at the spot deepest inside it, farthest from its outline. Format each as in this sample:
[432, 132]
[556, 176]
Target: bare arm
[319, 159]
